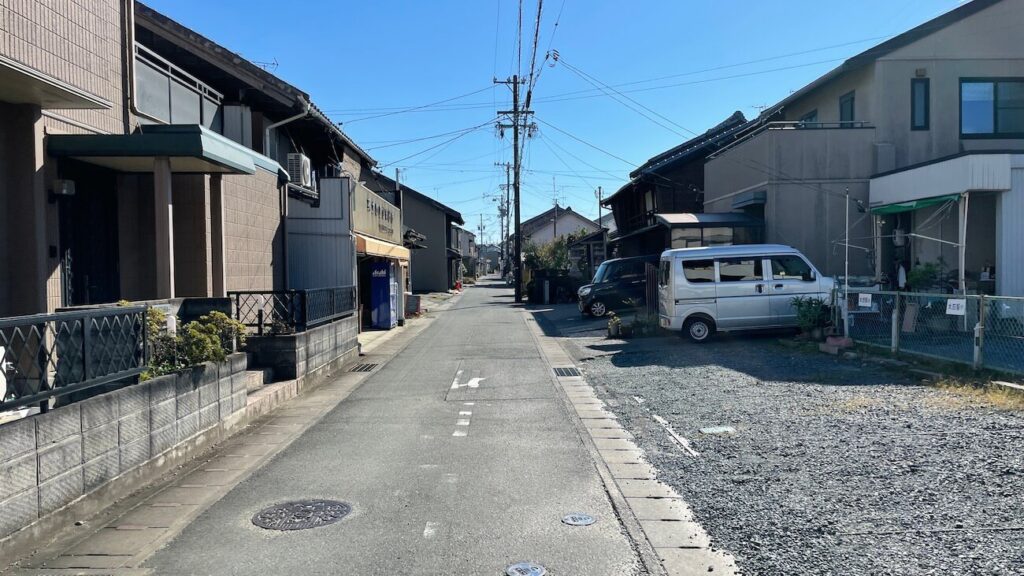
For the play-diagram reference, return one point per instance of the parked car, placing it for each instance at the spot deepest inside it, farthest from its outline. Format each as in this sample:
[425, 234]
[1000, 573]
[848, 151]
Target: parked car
[618, 284]
[726, 288]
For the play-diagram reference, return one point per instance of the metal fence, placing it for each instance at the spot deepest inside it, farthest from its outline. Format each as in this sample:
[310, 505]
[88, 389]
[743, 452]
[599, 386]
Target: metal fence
[983, 331]
[284, 311]
[48, 355]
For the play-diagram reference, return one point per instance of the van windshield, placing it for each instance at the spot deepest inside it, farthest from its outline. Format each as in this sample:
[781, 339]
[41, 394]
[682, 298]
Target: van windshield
[601, 274]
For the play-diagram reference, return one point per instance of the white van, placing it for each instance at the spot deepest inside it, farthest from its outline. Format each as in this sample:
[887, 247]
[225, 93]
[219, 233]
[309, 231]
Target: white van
[701, 290]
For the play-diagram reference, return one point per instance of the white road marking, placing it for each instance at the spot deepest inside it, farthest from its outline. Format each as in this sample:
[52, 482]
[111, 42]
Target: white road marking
[638, 399]
[465, 413]
[469, 403]
[683, 442]
[455, 382]
[462, 422]
[460, 433]
[428, 465]
[473, 382]
[430, 530]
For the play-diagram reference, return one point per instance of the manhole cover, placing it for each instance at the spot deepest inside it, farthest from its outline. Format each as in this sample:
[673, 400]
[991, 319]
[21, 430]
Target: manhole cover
[301, 514]
[579, 519]
[566, 372]
[363, 368]
[526, 569]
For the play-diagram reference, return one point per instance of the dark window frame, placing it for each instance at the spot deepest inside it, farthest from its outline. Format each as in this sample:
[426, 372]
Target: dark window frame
[850, 97]
[994, 80]
[811, 117]
[926, 82]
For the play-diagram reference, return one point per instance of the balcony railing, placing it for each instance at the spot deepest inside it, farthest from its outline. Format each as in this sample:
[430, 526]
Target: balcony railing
[168, 94]
[286, 311]
[48, 355]
[787, 125]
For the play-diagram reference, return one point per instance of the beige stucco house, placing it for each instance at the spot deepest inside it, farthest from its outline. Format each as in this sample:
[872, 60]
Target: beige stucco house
[923, 132]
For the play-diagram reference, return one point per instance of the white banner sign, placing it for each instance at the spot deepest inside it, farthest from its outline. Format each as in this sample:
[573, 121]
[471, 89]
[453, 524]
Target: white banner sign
[956, 306]
[864, 300]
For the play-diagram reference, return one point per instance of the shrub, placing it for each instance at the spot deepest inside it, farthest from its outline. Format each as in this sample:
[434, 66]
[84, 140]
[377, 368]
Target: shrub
[811, 312]
[208, 339]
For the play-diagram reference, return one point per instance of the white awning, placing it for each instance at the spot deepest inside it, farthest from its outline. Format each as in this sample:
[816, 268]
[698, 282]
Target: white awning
[958, 175]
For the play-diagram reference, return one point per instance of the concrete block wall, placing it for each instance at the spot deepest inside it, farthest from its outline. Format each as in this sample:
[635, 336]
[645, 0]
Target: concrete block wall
[306, 354]
[49, 460]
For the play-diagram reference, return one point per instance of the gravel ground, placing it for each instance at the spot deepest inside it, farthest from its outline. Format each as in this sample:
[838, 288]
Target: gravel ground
[836, 467]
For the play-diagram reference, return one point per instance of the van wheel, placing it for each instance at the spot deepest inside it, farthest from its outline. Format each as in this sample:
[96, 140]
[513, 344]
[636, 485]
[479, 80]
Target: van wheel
[699, 329]
[598, 309]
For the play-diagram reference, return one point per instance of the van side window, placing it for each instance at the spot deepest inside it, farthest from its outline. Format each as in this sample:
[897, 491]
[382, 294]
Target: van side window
[791, 268]
[699, 271]
[740, 269]
[664, 272]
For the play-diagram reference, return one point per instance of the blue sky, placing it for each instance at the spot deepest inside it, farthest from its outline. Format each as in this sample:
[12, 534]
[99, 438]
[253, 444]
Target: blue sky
[377, 57]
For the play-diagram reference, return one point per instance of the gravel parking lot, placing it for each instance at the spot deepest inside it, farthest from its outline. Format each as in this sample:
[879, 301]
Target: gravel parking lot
[835, 467]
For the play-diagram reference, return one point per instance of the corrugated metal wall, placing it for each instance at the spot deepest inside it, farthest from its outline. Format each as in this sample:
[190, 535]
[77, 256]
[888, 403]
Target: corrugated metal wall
[320, 248]
[1010, 238]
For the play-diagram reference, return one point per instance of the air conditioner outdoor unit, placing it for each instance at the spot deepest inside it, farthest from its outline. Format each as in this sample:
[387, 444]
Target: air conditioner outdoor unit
[300, 170]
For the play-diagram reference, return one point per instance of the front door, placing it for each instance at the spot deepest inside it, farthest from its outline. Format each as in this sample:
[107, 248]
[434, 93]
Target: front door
[88, 236]
[743, 300]
[791, 277]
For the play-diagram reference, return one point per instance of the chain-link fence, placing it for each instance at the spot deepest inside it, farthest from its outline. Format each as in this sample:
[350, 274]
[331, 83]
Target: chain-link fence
[983, 331]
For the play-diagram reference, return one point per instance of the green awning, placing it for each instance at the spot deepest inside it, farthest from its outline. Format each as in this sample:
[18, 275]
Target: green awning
[914, 204]
[192, 149]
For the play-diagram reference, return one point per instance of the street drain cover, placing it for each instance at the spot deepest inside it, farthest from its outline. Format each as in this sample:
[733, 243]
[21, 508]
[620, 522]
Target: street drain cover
[363, 368]
[301, 514]
[566, 372]
[579, 519]
[526, 569]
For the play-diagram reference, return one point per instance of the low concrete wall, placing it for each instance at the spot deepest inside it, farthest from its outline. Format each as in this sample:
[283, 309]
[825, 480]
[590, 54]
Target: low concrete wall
[308, 355]
[49, 460]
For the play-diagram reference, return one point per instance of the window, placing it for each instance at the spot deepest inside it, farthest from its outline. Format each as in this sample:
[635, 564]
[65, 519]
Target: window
[740, 269]
[920, 103]
[992, 108]
[791, 268]
[811, 117]
[699, 271]
[846, 108]
[664, 272]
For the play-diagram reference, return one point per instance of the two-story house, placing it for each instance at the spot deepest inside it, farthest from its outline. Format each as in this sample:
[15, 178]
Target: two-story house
[553, 223]
[920, 137]
[661, 206]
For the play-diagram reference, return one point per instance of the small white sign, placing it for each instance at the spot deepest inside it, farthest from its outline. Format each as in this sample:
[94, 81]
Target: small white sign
[864, 300]
[956, 306]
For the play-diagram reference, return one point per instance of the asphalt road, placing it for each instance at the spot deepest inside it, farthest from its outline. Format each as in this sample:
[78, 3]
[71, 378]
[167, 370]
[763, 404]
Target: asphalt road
[441, 480]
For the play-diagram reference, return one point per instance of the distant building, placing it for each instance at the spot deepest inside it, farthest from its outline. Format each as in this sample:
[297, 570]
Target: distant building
[553, 223]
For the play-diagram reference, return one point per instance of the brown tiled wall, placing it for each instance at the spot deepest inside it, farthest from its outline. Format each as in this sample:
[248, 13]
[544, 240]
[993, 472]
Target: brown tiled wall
[77, 41]
[252, 234]
[192, 235]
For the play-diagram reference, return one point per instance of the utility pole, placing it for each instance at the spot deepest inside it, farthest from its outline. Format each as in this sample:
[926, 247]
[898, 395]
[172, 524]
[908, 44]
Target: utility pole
[504, 213]
[600, 226]
[517, 122]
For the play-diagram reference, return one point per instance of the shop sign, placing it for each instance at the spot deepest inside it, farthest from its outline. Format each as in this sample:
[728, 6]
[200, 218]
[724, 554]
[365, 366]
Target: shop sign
[376, 217]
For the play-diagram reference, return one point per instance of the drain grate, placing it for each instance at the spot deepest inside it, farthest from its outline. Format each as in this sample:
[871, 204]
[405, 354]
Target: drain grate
[301, 514]
[566, 372]
[363, 367]
[526, 569]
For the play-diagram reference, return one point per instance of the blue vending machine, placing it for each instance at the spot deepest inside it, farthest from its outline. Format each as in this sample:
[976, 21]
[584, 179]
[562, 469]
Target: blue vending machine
[384, 295]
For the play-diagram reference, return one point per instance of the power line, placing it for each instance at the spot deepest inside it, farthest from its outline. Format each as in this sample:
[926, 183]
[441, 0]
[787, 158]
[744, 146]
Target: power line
[414, 108]
[413, 140]
[449, 141]
[582, 141]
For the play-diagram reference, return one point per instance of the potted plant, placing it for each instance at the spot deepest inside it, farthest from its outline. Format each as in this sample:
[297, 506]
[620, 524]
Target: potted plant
[812, 315]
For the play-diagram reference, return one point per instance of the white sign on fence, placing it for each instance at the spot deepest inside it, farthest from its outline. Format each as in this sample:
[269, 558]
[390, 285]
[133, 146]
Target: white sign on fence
[864, 300]
[956, 306]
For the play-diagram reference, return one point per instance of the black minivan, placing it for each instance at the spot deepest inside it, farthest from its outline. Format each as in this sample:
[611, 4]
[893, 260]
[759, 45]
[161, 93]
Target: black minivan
[616, 284]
